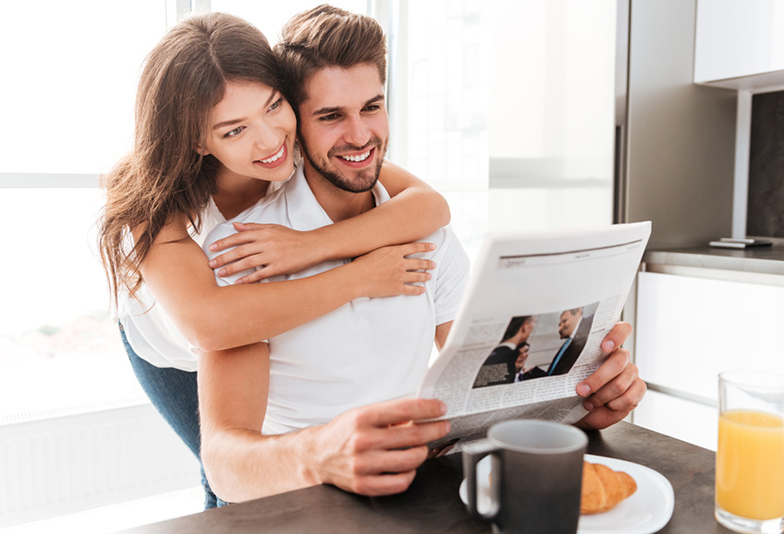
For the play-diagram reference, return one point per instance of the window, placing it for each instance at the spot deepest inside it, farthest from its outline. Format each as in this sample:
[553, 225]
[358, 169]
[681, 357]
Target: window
[507, 107]
[552, 113]
[269, 17]
[471, 82]
[68, 117]
[67, 108]
[439, 83]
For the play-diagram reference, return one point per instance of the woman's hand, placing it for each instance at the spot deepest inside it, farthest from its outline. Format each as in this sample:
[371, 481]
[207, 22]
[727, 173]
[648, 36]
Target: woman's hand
[275, 248]
[387, 272]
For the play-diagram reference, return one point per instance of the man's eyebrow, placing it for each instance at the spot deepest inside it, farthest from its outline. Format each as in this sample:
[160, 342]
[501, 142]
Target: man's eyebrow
[231, 122]
[327, 110]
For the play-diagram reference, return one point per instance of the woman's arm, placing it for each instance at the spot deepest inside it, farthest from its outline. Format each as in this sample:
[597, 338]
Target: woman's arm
[414, 212]
[214, 318]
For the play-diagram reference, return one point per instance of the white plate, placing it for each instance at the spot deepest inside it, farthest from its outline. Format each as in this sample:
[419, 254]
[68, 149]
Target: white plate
[645, 512]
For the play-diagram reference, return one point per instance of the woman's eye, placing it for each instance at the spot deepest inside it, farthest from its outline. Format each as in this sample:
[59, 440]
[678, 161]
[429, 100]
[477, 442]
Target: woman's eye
[277, 104]
[236, 131]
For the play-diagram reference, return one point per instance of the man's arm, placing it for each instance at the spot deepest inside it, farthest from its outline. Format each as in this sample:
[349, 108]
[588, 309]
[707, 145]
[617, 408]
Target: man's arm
[373, 450]
[442, 332]
[615, 388]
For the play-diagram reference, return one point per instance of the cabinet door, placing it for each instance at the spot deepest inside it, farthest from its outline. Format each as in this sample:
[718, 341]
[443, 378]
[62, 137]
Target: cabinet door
[690, 329]
[682, 419]
[736, 39]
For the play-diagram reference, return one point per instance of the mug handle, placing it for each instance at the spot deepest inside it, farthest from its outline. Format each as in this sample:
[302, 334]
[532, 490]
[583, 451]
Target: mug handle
[472, 454]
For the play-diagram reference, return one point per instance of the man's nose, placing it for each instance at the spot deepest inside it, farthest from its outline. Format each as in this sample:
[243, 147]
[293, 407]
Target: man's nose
[357, 133]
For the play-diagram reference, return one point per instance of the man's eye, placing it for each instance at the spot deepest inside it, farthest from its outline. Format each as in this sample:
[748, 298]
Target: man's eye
[236, 131]
[330, 117]
[373, 107]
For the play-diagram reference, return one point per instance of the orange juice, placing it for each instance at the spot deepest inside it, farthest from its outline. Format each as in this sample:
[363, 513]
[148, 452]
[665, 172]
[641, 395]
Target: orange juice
[750, 464]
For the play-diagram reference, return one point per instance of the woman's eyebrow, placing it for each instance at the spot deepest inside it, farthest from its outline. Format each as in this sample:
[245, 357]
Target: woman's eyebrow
[231, 122]
[228, 123]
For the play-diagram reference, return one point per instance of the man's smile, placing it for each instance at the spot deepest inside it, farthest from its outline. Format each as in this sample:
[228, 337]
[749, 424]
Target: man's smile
[360, 157]
[357, 160]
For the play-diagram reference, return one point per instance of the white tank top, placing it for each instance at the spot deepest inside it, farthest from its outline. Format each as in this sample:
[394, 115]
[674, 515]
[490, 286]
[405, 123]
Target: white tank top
[149, 329]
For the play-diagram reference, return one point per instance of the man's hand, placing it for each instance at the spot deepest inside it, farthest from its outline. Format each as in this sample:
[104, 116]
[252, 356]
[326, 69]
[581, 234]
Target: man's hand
[375, 450]
[615, 388]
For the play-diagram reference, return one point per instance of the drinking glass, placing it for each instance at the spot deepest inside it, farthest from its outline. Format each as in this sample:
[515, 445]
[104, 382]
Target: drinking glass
[750, 457]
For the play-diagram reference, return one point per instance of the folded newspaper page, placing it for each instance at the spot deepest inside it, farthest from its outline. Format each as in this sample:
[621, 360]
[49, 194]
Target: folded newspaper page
[530, 326]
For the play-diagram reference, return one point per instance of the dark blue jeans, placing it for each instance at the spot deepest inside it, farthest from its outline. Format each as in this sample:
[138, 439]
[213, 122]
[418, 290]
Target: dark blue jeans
[174, 394]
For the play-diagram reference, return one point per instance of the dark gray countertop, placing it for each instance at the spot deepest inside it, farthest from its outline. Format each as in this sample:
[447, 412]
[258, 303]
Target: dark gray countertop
[763, 260]
[432, 505]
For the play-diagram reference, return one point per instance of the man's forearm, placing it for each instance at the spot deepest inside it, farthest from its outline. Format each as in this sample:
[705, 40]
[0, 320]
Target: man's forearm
[243, 464]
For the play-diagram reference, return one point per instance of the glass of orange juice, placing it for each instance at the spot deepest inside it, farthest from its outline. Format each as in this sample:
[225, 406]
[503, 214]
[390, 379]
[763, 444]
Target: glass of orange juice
[750, 457]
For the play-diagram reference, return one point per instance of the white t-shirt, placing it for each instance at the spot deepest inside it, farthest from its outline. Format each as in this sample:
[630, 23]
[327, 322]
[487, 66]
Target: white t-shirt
[366, 351]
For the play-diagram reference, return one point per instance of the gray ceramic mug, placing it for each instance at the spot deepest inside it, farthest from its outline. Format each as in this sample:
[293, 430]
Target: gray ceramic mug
[536, 476]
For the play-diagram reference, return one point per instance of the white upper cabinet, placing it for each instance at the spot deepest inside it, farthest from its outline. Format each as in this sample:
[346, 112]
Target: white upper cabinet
[740, 44]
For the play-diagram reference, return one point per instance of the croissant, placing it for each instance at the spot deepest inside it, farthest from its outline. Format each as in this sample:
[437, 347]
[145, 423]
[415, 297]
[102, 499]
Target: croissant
[604, 488]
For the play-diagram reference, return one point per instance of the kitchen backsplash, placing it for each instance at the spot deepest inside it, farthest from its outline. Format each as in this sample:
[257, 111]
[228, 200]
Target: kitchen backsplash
[766, 166]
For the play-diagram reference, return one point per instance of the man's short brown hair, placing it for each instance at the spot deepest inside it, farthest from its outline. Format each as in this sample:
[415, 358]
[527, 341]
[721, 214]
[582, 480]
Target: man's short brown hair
[326, 36]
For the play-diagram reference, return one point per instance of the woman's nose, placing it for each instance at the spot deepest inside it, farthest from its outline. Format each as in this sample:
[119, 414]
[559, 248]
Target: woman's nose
[267, 137]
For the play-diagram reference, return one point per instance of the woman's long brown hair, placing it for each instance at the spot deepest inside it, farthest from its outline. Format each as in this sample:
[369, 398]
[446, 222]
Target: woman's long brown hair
[163, 177]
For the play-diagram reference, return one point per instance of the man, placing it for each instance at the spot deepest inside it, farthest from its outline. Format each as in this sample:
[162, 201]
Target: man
[335, 76]
[499, 367]
[574, 329]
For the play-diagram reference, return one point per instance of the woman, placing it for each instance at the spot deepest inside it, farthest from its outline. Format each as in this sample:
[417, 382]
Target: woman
[171, 190]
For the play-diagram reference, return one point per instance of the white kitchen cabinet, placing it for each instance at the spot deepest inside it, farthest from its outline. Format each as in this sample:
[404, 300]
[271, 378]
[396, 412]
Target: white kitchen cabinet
[688, 330]
[740, 45]
[693, 422]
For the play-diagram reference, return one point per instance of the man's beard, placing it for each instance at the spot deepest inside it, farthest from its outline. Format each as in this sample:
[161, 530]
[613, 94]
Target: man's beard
[363, 180]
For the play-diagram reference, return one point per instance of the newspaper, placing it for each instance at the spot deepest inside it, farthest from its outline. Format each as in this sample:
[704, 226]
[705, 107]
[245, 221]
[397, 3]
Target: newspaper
[530, 326]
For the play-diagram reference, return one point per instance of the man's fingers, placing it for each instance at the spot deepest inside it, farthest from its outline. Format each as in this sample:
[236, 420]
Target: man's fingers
[399, 411]
[612, 367]
[616, 337]
[404, 436]
[383, 484]
[630, 398]
[392, 461]
[616, 387]
[616, 410]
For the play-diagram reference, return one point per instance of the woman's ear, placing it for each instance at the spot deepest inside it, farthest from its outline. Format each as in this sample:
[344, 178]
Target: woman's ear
[201, 150]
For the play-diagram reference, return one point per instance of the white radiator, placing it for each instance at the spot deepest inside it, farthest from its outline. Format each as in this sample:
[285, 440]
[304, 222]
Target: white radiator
[66, 464]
